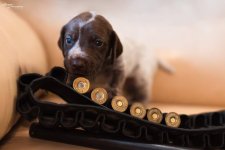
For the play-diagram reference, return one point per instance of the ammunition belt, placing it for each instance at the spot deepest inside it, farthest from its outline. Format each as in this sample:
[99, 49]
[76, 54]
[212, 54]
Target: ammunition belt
[206, 130]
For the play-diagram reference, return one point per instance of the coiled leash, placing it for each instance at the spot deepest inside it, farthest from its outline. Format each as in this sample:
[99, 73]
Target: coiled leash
[100, 123]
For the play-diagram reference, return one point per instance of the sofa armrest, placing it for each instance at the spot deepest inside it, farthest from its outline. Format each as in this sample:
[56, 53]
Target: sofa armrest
[21, 52]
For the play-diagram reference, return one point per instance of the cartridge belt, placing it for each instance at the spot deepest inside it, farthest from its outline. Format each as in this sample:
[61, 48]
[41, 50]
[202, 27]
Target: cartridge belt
[206, 130]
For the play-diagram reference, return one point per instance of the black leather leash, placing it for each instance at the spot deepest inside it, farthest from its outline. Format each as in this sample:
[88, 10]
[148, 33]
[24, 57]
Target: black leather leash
[206, 130]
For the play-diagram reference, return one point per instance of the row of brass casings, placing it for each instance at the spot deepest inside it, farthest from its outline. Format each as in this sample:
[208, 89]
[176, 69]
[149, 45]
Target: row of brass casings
[120, 104]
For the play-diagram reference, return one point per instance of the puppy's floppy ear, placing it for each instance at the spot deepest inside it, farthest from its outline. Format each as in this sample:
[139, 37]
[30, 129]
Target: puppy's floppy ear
[115, 48]
[61, 38]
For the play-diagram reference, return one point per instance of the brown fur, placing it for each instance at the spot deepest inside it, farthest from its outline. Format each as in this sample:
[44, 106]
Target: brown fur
[99, 61]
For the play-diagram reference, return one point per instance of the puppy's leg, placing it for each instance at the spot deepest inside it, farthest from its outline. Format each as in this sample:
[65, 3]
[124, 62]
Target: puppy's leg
[137, 89]
[137, 86]
[116, 83]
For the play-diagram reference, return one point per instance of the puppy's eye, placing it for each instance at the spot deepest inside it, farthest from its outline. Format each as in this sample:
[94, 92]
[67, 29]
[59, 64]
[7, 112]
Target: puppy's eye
[98, 42]
[69, 39]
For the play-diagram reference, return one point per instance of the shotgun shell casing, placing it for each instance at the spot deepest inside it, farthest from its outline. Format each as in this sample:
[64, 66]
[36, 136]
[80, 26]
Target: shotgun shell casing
[99, 95]
[154, 115]
[172, 119]
[81, 85]
[138, 110]
[119, 103]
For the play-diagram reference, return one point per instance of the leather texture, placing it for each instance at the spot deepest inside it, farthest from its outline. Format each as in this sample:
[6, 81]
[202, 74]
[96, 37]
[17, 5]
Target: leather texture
[80, 137]
[203, 131]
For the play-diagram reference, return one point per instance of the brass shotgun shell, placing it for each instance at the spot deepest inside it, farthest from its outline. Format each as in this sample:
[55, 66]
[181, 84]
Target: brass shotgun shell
[81, 85]
[138, 110]
[119, 103]
[99, 95]
[154, 115]
[173, 119]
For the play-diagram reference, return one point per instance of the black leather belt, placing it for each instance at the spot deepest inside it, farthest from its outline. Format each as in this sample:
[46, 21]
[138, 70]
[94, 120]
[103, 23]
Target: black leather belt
[204, 130]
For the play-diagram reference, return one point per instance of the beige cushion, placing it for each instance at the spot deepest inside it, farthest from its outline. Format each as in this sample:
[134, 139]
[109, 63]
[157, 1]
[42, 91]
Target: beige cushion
[21, 52]
[193, 83]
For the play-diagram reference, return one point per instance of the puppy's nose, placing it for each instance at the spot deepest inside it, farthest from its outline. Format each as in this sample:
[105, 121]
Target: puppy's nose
[78, 64]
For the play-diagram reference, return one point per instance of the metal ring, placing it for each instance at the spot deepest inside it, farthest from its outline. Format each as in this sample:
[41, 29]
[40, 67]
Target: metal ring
[172, 119]
[81, 85]
[154, 115]
[119, 103]
[99, 95]
[138, 110]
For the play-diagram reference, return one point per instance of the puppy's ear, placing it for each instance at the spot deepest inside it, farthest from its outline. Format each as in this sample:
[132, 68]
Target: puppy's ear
[115, 49]
[61, 38]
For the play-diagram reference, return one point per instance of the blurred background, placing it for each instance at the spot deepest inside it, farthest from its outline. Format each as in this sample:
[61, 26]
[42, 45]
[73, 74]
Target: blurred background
[189, 34]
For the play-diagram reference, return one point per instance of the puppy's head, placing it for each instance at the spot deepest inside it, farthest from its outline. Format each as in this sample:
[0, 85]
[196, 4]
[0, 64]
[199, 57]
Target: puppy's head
[88, 43]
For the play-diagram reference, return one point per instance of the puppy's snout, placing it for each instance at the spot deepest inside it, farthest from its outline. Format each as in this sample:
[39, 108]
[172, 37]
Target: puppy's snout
[79, 64]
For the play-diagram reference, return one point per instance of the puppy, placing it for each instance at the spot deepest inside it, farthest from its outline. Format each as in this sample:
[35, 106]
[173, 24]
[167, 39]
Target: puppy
[92, 49]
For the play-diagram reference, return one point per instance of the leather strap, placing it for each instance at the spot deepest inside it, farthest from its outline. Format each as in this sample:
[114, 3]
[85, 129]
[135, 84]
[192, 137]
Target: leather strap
[87, 139]
[204, 130]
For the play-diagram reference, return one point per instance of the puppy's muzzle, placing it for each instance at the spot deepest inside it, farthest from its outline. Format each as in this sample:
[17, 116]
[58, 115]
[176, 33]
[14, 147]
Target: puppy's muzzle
[79, 65]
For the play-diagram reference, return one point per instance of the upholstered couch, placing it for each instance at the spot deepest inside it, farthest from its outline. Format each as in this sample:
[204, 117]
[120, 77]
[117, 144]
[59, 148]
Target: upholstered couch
[193, 43]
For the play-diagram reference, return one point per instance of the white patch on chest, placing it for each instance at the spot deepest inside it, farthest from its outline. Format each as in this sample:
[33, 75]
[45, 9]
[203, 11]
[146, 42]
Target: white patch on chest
[76, 49]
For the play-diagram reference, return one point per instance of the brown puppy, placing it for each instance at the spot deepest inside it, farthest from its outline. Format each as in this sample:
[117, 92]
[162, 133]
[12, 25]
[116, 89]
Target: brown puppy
[91, 48]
